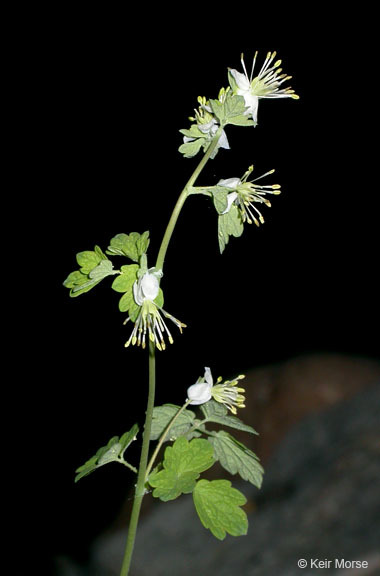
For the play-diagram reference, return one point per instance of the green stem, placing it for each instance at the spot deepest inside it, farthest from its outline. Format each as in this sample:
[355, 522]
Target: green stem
[142, 473]
[198, 425]
[163, 438]
[128, 465]
[140, 486]
[182, 198]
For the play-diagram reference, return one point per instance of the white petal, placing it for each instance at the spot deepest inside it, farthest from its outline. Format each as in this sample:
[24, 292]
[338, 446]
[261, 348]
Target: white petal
[186, 139]
[208, 376]
[230, 183]
[137, 293]
[158, 273]
[241, 80]
[230, 200]
[149, 286]
[199, 393]
[223, 142]
[252, 103]
[211, 127]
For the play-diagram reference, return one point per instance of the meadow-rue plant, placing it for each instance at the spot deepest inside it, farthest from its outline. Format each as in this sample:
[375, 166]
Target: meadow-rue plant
[193, 447]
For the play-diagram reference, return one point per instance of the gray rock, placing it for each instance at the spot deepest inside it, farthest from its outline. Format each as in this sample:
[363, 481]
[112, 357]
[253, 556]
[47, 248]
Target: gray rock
[320, 500]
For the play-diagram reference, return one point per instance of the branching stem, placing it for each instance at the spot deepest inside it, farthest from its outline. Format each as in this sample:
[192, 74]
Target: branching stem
[143, 472]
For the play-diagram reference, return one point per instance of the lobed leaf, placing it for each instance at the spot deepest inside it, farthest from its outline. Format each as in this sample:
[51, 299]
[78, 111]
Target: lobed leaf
[220, 194]
[217, 413]
[229, 224]
[193, 132]
[218, 507]
[126, 279]
[242, 121]
[162, 415]
[218, 109]
[236, 458]
[94, 266]
[133, 245]
[112, 452]
[102, 270]
[183, 462]
[234, 106]
[88, 260]
[190, 149]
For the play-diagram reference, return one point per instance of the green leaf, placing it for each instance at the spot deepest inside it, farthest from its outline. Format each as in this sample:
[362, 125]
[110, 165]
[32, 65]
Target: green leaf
[86, 468]
[133, 311]
[133, 245]
[219, 110]
[218, 507]
[220, 194]
[182, 465]
[94, 267]
[126, 279]
[79, 283]
[74, 279]
[88, 260]
[127, 438]
[241, 121]
[142, 243]
[109, 453]
[112, 452]
[234, 106]
[190, 149]
[100, 253]
[194, 132]
[126, 301]
[162, 415]
[229, 224]
[102, 270]
[217, 413]
[236, 458]
[231, 111]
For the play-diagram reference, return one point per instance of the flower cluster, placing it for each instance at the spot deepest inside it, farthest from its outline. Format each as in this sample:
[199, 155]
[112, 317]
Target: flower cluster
[245, 193]
[207, 124]
[265, 85]
[227, 393]
[149, 319]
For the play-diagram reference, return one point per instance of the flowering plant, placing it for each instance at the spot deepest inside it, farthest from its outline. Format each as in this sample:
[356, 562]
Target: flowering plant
[194, 447]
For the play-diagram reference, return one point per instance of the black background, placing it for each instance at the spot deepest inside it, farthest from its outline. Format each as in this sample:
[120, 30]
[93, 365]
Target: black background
[108, 97]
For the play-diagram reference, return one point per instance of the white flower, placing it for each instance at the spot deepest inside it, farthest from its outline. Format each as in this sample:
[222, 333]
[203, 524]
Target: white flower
[246, 193]
[208, 125]
[149, 320]
[147, 287]
[264, 85]
[227, 393]
[200, 392]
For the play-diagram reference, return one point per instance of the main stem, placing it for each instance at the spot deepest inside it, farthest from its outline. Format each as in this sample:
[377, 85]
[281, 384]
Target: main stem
[182, 198]
[140, 486]
[164, 436]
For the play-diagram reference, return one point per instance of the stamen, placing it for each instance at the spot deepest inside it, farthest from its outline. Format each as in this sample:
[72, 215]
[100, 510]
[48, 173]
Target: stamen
[243, 64]
[262, 176]
[253, 66]
[267, 62]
